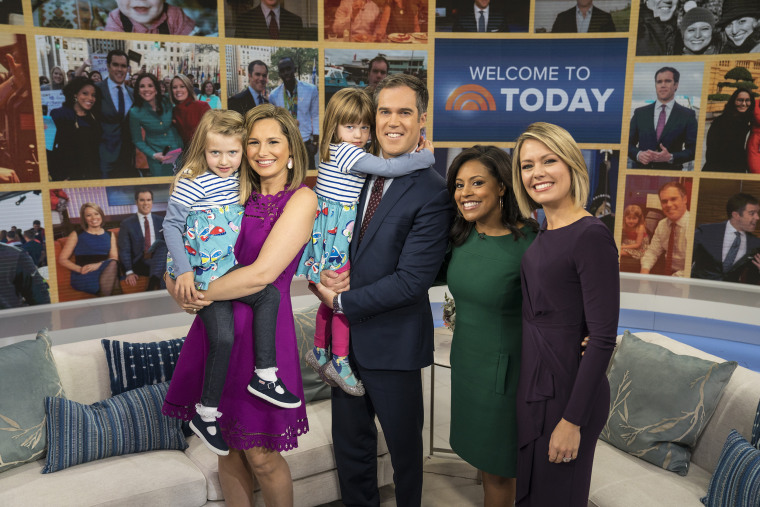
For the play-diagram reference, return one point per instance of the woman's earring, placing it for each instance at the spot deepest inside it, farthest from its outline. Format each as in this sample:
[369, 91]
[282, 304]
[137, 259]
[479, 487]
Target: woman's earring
[290, 162]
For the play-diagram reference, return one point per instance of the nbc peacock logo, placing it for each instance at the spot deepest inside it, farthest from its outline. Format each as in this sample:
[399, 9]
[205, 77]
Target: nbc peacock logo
[470, 97]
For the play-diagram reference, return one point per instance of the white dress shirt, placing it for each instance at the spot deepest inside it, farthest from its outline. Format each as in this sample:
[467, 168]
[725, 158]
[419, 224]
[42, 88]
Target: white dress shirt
[728, 239]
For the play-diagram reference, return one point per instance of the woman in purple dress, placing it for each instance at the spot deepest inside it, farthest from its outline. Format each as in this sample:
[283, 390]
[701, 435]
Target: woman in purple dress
[278, 219]
[570, 283]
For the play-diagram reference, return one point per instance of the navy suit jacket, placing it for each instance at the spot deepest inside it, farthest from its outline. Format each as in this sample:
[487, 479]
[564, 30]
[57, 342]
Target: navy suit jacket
[116, 147]
[707, 262]
[131, 241]
[392, 269]
[252, 24]
[601, 21]
[679, 136]
[466, 22]
[243, 102]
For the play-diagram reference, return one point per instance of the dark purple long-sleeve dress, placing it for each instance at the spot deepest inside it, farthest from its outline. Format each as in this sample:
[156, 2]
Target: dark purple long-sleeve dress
[247, 421]
[571, 289]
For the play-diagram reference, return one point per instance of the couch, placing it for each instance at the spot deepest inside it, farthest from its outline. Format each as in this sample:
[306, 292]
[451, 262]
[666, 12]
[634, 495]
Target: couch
[622, 480]
[165, 478]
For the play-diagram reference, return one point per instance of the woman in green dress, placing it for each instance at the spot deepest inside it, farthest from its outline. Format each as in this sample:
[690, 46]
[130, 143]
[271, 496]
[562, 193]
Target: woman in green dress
[488, 239]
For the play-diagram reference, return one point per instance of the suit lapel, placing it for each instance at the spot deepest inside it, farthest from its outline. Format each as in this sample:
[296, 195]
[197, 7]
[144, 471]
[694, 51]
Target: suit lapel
[359, 218]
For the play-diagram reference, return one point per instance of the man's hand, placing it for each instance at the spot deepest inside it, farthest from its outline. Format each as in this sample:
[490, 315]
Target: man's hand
[8, 176]
[336, 282]
[131, 279]
[323, 293]
[663, 155]
[645, 156]
[756, 260]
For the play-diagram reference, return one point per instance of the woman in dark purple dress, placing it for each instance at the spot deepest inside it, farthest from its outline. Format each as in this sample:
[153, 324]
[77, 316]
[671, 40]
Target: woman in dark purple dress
[277, 223]
[570, 283]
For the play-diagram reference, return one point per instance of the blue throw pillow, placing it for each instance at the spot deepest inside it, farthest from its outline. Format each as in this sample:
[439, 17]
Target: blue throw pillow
[127, 423]
[736, 480]
[133, 365]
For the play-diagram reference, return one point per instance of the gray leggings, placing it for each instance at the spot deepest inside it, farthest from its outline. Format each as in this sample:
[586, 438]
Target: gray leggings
[219, 321]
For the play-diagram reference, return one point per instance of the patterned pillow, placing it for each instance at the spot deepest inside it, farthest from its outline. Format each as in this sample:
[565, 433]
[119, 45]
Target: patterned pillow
[736, 480]
[660, 401]
[313, 386]
[133, 365]
[27, 375]
[128, 423]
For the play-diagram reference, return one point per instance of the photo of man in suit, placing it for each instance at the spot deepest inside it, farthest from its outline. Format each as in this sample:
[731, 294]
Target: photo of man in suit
[669, 238]
[393, 264]
[255, 94]
[116, 148]
[663, 135]
[268, 20]
[302, 100]
[480, 16]
[729, 250]
[142, 250]
[583, 18]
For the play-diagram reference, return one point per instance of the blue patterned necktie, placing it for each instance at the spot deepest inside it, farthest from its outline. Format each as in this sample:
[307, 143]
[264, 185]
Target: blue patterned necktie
[728, 262]
[481, 22]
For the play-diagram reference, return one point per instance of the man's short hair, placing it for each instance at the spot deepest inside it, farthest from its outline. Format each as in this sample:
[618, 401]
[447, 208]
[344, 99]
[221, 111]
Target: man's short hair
[676, 74]
[399, 80]
[29, 234]
[673, 184]
[255, 63]
[285, 59]
[142, 191]
[11, 235]
[379, 58]
[738, 203]
[36, 222]
[116, 52]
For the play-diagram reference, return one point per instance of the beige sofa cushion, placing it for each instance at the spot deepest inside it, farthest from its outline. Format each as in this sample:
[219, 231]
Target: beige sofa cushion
[165, 478]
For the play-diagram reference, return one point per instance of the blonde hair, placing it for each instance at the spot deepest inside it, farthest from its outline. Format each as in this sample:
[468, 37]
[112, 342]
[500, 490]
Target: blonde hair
[349, 105]
[562, 144]
[289, 129]
[188, 85]
[82, 221]
[633, 210]
[226, 123]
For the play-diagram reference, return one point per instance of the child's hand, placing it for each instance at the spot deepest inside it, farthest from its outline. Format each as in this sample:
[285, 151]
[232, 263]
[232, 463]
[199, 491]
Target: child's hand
[425, 144]
[185, 287]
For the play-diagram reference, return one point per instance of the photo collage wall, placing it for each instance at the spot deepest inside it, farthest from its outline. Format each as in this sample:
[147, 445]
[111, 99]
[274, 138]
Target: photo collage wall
[99, 98]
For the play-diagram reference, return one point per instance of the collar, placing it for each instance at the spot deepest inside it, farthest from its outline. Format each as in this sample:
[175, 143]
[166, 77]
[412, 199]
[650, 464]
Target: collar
[266, 10]
[141, 216]
[478, 9]
[683, 221]
[578, 11]
[668, 105]
[112, 85]
[731, 229]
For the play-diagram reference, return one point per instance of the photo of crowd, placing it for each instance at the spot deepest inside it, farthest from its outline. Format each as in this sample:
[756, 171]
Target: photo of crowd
[110, 241]
[23, 253]
[482, 16]
[178, 17]
[726, 244]
[122, 109]
[271, 19]
[365, 68]
[668, 27]
[664, 115]
[18, 138]
[400, 21]
[656, 220]
[732, 123]
[582, 16]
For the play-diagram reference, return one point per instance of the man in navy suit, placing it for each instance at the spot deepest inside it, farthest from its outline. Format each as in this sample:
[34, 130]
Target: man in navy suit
[393, 265]
[480, 17]
[268, 20]
[116, 148]
[583, 18]
[728, 250]
[255, 94]
[663, 135]
[138, 256]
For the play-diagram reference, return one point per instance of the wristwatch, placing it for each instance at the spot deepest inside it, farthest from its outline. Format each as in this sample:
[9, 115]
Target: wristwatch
[337, 308]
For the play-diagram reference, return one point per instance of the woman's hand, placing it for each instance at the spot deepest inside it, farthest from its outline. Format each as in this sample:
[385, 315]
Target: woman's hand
[323, 293]
[159, 156]
[185, 288]
[89, 268]
[564, 442]
[337, 282]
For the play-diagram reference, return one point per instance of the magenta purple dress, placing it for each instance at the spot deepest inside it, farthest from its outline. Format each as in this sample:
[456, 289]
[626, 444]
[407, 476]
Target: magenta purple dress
[571, 289]
[247, 421]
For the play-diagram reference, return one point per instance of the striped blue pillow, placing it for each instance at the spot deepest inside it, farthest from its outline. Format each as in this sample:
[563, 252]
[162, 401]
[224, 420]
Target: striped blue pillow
[133, 365]
[736, 481]
[127, 423]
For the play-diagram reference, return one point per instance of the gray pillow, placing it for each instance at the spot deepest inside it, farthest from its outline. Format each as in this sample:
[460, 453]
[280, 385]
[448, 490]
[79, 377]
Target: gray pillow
[660, 401]
[313, 386]
[27, 375]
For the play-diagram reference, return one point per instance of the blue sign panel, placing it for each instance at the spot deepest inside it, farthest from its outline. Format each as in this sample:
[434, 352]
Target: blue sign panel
[490, 90]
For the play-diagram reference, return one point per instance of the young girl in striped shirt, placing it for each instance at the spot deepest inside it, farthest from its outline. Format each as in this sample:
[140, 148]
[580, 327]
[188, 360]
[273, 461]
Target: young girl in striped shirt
[343, 169]
[200, 228]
